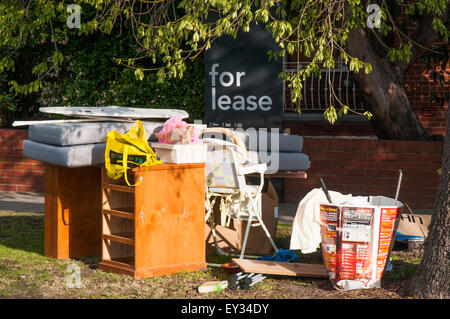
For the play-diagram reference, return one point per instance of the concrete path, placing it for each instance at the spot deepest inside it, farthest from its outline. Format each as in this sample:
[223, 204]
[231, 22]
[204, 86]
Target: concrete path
[34, 202]
[22, 202]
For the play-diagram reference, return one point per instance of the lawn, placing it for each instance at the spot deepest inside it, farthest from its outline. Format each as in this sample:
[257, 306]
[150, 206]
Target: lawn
[26, 273]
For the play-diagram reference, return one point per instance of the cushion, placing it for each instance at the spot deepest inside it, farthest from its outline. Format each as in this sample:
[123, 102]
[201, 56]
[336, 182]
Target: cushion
[287, 161]
[265, 141]
[67, 156]
[93, 154]
[65, 134]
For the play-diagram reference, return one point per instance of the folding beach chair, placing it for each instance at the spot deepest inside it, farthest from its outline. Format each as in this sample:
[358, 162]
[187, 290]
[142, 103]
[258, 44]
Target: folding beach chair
[225, 182]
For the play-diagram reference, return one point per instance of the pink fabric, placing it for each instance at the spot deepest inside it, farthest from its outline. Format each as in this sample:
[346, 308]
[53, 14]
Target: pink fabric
[177, 131]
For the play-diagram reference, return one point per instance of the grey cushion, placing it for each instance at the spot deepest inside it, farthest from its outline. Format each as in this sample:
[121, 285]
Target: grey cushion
[93, 154]
[84, 133]
[266, 141]
[67, 156]
[287, 161]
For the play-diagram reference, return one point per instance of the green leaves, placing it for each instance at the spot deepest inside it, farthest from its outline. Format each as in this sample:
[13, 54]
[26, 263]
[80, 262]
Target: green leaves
[403, 53]
[368, 114]
[330, 114]
[27, 88]
[262, 15]
[440, 28]
[7, 64]
[40, 68]
[355, 65]
[139, 74]
[57, 59]
[161, 41]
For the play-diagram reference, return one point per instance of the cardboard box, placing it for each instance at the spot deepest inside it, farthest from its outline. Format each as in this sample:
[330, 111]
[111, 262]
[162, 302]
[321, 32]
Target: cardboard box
[230, 238]
[413, 225]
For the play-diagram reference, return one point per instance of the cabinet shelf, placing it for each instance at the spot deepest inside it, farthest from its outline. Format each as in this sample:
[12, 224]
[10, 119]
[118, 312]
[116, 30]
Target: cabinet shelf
[121, 237]
[125, 212]
[120, 188]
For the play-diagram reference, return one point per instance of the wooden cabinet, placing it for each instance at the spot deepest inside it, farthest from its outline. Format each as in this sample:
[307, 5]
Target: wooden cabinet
[72, 211]
[156, 227]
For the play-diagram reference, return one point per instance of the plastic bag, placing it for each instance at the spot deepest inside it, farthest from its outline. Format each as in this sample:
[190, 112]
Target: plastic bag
[129, 150]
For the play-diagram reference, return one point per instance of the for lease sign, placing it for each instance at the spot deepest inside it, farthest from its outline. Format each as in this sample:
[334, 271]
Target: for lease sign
[242, 87]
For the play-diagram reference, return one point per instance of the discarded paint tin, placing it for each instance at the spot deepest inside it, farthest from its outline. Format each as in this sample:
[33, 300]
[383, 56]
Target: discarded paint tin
[415, 244]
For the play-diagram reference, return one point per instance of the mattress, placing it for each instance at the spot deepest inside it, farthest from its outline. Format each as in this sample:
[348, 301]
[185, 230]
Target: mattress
[282, 161]
[94, 154]
[266, 140]
[68, 134]
[67, 156]
[83, 144]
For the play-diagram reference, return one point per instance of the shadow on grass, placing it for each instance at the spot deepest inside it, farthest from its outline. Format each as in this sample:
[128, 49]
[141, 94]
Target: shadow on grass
[22, 231]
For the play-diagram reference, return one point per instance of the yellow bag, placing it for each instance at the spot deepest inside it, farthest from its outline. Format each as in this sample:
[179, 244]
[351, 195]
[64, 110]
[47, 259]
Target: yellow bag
[129, 150]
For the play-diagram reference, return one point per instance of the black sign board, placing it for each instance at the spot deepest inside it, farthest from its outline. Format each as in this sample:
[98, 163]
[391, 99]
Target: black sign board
[242, 87]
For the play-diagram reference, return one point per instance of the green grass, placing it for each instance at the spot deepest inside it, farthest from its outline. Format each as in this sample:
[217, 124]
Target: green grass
[26, 273]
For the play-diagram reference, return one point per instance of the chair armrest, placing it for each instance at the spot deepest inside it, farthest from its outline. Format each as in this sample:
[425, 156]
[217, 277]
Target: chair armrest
[252, 168]
[221, 143]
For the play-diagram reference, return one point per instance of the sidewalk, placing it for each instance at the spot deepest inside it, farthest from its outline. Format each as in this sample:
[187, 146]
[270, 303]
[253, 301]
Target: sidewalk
[21, 202]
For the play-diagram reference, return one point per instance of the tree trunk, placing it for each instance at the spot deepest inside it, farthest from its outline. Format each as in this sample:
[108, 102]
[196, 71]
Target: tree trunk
[432, 279]
[383, 92]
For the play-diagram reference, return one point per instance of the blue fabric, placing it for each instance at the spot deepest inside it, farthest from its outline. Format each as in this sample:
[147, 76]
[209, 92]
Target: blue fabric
[286, 255]
[399, 236]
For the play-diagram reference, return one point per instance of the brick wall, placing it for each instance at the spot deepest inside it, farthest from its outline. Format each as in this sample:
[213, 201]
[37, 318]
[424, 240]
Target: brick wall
[420, 88]
[323, 128]
[18, 173]
[370, 167]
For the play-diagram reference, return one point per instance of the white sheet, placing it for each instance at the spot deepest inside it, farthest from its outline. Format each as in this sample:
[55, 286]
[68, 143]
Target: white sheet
[306, 227]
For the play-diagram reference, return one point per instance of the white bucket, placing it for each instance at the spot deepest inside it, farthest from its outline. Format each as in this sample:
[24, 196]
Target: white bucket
[415, 244]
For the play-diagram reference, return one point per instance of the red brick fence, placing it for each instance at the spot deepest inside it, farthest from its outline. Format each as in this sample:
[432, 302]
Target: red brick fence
[371, 167]
[356, 166]
[18, 173]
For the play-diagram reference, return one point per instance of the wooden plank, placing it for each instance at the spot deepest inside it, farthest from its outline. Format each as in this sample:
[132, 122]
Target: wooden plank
[72, 211]
[167, 166]
[289, 174]
[56, 233]
[120, 212]
[286, 174]
[116, 267]
[281, 268]
[120, 238]
[120, 188]
[170, 218]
